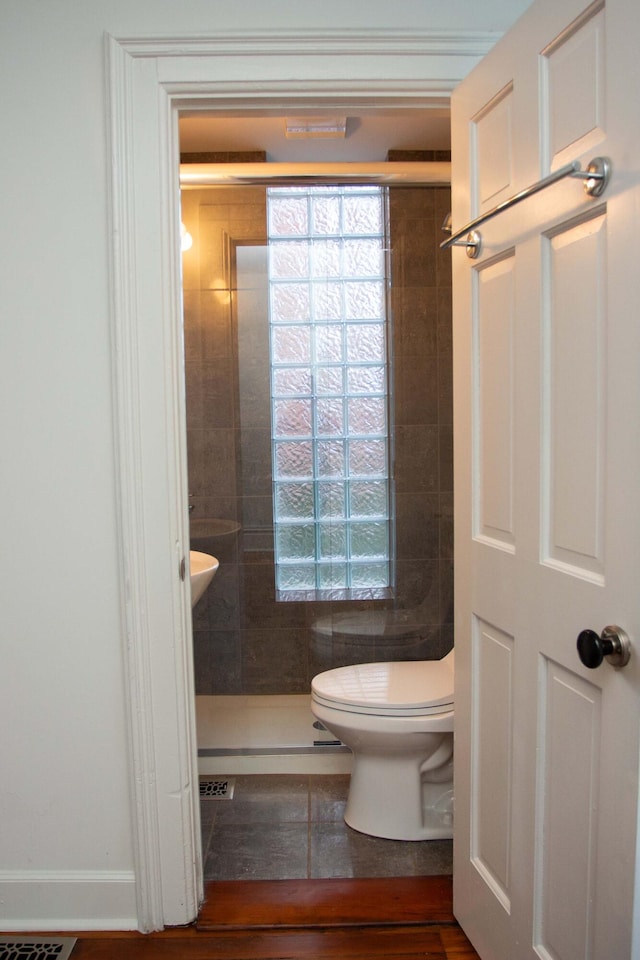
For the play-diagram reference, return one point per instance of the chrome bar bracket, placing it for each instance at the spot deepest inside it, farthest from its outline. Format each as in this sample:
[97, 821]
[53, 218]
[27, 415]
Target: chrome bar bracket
[472, 242]
[595, 178]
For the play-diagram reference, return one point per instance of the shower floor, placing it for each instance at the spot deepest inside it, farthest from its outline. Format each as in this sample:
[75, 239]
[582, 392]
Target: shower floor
[264, 734]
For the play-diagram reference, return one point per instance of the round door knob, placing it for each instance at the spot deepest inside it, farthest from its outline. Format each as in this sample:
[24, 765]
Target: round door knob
[612, 643]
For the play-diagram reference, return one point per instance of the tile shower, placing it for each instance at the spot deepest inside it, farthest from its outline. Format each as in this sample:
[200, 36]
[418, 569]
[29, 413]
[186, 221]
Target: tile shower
[246, 641]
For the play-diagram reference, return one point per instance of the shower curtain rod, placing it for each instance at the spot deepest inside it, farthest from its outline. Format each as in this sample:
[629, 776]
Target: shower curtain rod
[437, 173]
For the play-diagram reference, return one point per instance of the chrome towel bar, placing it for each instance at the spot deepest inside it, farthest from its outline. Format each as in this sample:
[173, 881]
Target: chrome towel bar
[595, 177]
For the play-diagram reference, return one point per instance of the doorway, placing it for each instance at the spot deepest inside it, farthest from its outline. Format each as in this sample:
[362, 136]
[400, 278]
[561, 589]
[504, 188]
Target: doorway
[150, 82]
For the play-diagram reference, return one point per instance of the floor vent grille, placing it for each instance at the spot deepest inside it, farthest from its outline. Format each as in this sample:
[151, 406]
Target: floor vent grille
[35, 948]
[211, 789]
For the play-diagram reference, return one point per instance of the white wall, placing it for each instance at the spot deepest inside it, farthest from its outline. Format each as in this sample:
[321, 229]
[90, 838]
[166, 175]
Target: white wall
[66, 849]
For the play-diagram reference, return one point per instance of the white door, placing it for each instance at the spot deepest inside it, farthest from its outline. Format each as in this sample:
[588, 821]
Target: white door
[547, 400]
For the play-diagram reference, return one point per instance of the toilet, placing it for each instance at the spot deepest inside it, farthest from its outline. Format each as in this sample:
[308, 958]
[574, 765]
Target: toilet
[353, 636]
[397, 719]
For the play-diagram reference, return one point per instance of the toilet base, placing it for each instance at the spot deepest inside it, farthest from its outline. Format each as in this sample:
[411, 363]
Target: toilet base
[390, 798]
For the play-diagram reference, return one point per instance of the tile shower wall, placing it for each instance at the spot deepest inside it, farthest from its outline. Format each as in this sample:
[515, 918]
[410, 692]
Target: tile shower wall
[245, 641]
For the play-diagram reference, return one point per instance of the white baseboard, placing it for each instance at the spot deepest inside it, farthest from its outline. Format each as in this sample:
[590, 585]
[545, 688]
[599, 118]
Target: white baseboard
[67, 900]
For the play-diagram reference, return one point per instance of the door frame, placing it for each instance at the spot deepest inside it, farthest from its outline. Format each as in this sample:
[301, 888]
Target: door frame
[150, 81]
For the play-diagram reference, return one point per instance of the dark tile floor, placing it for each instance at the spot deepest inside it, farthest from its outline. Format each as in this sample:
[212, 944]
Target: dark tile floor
[288, 827]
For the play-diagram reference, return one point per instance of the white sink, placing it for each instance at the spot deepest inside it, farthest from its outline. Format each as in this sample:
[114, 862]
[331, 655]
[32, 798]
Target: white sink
[202, 568]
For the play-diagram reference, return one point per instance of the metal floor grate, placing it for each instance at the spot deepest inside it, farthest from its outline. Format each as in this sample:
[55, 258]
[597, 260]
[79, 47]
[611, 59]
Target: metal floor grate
[36, 948]
[214, 789]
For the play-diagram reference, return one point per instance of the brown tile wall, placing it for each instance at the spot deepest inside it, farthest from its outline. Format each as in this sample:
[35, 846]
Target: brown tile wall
[245, 641]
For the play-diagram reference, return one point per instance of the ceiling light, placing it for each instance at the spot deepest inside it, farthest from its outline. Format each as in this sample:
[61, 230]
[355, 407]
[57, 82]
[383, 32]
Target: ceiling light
[186, 240]
[302, 128]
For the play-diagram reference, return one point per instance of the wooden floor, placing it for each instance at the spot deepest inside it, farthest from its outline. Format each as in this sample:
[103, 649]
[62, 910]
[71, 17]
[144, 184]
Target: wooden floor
[396, 919]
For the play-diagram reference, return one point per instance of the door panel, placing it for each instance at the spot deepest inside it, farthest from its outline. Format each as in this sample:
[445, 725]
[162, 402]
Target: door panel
[574, 397]
[573, 84]
[492, 132]
[493, 403]
[492, 716]
[568, 777]
[547, 455]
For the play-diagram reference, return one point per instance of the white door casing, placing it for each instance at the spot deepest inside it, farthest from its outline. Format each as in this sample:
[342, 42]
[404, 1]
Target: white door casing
[547, 456]
[150, 80]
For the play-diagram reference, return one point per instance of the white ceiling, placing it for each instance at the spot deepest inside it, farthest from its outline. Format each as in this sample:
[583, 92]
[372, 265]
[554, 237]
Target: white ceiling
[369, 135]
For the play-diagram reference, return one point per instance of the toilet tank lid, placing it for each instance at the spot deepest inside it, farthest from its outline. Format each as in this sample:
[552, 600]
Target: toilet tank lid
[406, 683]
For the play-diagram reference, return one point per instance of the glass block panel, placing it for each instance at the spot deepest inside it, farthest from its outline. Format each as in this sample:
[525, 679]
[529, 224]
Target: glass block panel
[290, 303]
[370, 575]
[367, 415]
[366, 342]
[364, 300]
[291, 344]
[296, 576]
[333, 541]
[294, 501]
[325, 215]
[329, 380]
[289, 259]
[368, 498]
[369, 541]
[330, 458]
[295, 541]
[367, 458]
[363, 258]
[292, 381]
[292, 418]
[332, 576]
[329, 418]
[288, 216]
[362, 214]
[366, 379]
[329, 387]
[331, 501]
[326, 258]
[293, 459]
[328, 342]
[327, 301]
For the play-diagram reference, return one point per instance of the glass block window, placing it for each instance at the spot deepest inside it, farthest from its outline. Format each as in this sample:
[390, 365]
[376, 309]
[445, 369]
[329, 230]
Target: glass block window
[329, 388]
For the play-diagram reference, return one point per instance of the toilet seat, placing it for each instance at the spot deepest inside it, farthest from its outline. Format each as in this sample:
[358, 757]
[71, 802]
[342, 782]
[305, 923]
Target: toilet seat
[397, 689]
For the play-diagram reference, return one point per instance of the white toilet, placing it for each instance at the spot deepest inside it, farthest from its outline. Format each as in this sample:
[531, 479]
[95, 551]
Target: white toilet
[397, 719]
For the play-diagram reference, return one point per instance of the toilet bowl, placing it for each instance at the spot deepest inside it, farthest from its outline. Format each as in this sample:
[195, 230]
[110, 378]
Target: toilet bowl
[397, 719]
